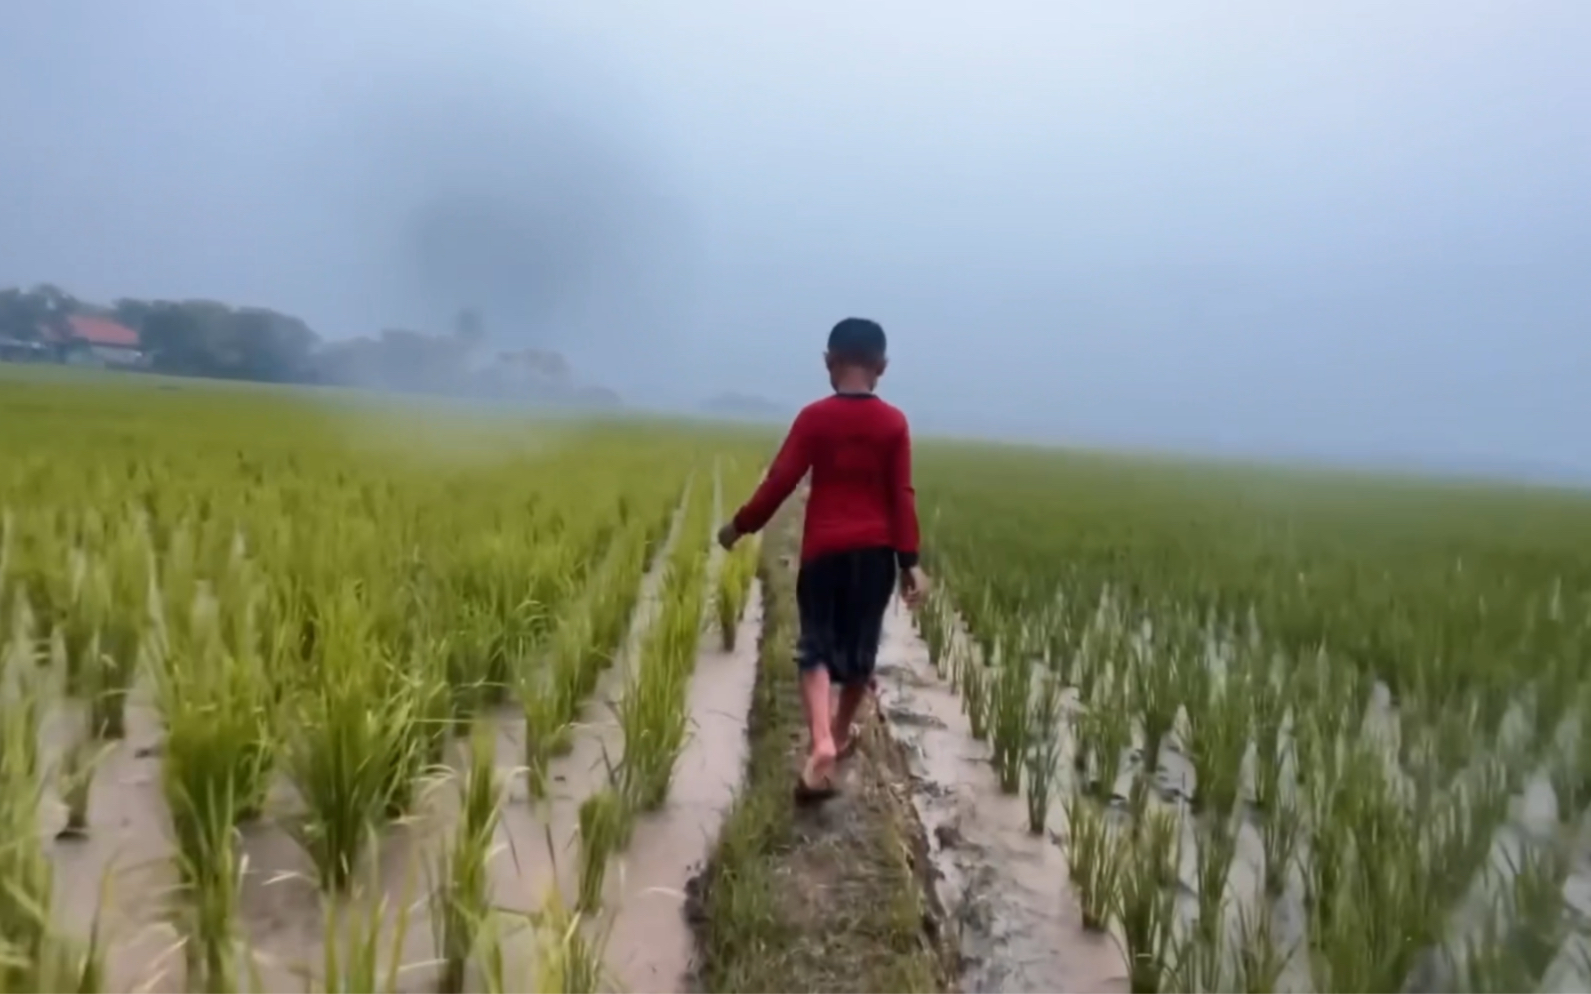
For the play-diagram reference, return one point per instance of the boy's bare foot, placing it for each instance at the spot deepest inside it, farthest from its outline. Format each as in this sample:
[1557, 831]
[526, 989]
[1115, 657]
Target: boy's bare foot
[818, 777]
[845, 740]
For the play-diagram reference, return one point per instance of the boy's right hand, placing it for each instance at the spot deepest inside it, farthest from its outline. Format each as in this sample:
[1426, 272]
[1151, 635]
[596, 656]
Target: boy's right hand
[913, 586]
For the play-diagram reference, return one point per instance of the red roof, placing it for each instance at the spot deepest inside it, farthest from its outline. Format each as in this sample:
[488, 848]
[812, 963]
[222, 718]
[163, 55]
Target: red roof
[101, 331]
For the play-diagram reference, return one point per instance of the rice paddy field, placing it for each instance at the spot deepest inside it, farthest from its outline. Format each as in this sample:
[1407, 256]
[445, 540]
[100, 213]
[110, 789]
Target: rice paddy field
[306, 693]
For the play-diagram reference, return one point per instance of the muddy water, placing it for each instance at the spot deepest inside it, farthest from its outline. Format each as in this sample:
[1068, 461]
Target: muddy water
[1004, 890]
[651, 944]
[125, 856]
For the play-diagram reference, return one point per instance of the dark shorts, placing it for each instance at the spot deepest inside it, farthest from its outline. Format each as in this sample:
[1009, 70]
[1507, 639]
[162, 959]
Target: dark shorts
[841, 599]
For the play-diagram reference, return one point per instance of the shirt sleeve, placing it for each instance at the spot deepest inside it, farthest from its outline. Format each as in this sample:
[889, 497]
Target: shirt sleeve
[903, 501]
[789, 466]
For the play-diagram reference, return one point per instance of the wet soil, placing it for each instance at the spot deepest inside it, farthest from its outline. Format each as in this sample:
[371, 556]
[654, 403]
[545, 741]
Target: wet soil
[1004, 889]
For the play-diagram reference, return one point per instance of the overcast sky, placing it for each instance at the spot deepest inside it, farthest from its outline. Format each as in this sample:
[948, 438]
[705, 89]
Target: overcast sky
[1326, 228]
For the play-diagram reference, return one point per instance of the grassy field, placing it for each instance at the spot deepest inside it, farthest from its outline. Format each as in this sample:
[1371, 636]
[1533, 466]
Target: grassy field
[319, 674]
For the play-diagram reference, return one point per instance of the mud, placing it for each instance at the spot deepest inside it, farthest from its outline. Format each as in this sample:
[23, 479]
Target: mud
[651, 943]
[1003, 889]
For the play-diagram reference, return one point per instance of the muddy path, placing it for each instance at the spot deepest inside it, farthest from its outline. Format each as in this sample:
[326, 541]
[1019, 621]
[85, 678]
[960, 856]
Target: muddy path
[826, 898]
[1004, 890]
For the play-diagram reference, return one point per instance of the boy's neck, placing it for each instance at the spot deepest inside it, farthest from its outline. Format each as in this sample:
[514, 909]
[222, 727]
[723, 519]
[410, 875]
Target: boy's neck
[852, 384]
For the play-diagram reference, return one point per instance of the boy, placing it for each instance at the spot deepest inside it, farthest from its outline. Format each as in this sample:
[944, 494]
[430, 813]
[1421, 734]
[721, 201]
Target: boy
[861, 524]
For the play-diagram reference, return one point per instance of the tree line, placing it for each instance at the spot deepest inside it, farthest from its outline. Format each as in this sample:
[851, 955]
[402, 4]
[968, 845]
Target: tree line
[212, 339]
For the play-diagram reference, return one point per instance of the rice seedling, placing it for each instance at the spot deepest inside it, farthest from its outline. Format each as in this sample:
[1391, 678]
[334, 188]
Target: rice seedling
[1095, 860]
[1154, 682]
[569, 957]
[1043, 758]
[1144, 909]
[652, 713]
[1280, 832]
[605, 825]
[1011, 715]
[735, 574]
[1105, 728]
[350, 737]
[1197, 964]
[1217, 846]
[974, 687]
[461, 899]
[1260, 960]
[351, 944]
[1218, 732]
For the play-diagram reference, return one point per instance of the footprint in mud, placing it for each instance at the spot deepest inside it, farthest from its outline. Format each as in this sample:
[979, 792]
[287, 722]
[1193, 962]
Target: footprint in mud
[902, 714]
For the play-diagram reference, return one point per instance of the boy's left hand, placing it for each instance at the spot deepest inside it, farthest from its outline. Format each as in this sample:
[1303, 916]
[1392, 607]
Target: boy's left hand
[728, 536]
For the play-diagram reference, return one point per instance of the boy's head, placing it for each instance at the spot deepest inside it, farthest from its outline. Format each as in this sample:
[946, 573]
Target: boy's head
[855, 355]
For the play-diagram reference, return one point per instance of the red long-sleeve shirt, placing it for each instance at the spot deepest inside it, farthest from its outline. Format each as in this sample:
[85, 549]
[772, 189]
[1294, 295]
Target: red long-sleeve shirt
[858, 449]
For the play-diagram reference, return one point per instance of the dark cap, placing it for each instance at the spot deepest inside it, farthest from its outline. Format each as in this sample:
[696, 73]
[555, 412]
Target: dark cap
[857, 338]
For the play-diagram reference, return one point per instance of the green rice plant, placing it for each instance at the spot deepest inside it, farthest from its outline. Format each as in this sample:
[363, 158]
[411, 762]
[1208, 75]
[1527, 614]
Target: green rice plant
[569, 959]
[1197, 963]
[1154, 681]
[105, 619]
[1217, 847]
[1218, 733]
[605, 825]
[351, 934]
[1145, 907]
[218, 708]
[1260, 961]
[1484, 963]
[33, 956]
[1537, 914]
[1281, 830]
[1011, 714]
[735, 574]
[976, 694]
[1043, 758]
[545, 729]
[350, 737]
[652, 712]
[1095, 859]
[1107, 731]
[461, 899]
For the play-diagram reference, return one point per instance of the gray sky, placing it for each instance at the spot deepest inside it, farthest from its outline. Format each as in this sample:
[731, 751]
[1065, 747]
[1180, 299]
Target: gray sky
[1329, 228]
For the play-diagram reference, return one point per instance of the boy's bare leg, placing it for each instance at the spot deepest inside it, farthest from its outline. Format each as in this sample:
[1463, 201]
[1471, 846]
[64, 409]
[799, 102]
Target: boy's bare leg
[852, 697]
[815, 702]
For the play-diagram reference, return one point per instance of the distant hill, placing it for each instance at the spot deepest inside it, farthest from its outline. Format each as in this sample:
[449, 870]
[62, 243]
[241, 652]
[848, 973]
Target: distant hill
[744, 407]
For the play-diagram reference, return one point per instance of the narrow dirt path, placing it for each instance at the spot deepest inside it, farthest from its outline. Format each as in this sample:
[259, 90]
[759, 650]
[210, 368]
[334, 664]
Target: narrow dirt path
[1004, 890]
[826, 899]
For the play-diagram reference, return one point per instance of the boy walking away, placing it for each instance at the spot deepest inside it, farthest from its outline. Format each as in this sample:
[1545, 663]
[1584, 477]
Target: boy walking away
[860, 534]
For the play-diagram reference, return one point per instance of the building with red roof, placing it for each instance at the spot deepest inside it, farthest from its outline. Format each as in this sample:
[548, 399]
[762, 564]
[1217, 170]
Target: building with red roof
[93, 340]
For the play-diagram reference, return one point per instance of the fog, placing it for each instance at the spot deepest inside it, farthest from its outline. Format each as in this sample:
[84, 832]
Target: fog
[1344, 230]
